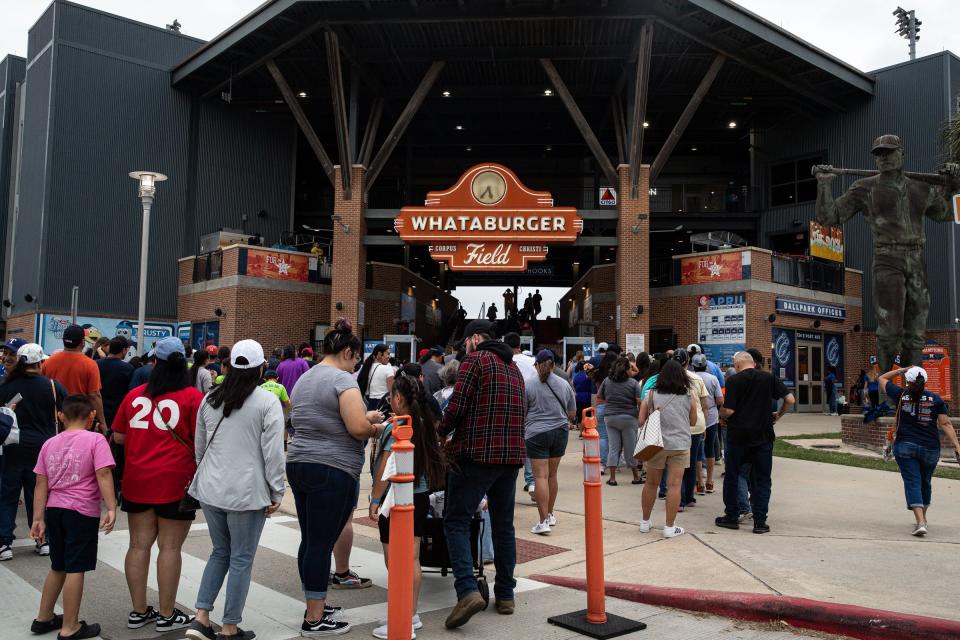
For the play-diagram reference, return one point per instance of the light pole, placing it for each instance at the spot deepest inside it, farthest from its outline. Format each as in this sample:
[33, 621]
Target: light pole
[147, 180]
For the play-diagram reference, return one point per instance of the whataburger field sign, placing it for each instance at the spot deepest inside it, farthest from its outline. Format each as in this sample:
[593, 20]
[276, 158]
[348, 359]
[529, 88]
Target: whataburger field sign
[488, 221]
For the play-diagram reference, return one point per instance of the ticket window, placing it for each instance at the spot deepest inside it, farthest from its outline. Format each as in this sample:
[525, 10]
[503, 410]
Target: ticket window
[810, 394]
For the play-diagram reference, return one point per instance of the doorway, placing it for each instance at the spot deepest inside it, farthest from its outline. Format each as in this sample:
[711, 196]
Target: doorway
[809, 377]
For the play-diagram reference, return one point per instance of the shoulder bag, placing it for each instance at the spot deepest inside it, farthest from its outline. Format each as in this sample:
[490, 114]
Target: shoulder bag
[188, 502]
[650, 442]
[563, 406]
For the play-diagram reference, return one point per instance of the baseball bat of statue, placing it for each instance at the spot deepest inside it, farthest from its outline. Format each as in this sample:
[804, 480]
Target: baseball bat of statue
[929, 178]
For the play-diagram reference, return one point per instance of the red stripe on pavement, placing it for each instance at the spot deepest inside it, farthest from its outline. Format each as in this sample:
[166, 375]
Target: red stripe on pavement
[844, 619]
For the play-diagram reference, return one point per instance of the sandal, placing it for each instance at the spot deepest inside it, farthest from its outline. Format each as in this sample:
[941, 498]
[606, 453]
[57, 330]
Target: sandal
[709, 487]
[639, 480]
[612, 483]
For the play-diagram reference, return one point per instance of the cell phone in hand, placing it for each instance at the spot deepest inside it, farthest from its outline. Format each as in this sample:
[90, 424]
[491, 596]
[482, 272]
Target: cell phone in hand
[14, 401]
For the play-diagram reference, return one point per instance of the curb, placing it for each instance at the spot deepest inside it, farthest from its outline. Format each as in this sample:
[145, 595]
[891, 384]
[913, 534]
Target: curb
[842, 619]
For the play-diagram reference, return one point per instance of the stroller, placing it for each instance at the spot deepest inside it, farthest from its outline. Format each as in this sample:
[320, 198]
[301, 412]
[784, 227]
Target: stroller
[435, 554]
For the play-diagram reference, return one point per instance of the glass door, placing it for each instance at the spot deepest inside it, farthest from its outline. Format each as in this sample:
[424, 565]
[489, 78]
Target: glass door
[809, 377]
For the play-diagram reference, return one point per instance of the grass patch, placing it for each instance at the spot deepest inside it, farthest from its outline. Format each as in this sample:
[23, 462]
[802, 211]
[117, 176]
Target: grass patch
[833, 435]
[784, 449]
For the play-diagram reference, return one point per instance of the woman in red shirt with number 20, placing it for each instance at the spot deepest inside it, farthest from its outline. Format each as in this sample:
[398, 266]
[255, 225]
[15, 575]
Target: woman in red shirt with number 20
[155, 424]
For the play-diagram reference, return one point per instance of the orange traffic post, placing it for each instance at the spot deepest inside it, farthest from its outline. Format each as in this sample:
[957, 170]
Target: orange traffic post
[594, 621]
[400, 563]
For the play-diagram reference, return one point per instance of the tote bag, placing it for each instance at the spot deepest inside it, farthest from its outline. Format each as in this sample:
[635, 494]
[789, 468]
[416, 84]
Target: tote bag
[650, 442]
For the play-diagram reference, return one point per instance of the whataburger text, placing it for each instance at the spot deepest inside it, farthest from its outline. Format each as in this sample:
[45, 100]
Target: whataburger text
[503, 222]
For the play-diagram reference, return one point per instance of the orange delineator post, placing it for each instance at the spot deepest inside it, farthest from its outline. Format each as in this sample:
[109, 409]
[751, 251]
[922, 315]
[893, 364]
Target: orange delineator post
[400, 563]
[593, 519]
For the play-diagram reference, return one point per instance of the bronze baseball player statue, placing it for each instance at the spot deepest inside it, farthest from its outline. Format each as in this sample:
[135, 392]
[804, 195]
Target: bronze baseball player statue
[895, 206]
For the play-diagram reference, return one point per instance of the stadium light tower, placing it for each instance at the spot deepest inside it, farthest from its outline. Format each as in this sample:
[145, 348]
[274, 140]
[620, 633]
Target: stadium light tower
[908, 27]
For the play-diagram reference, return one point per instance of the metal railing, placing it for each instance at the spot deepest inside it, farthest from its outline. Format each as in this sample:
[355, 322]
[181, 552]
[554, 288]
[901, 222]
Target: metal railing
[808, 273]
[208, 266]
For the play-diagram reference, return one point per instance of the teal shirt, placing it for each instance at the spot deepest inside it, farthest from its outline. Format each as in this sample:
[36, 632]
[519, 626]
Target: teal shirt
[648, 385]
[386, 444]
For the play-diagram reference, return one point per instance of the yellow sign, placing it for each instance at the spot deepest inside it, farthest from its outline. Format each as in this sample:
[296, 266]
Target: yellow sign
[826, 242]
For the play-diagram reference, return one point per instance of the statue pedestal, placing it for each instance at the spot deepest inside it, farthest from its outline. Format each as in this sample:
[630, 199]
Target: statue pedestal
[873, 435]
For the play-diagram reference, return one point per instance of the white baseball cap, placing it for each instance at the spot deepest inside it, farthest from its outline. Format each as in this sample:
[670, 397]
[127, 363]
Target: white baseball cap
[31, 353]
[603, 346]
[249, 350]
[912, 374]
[694, 348]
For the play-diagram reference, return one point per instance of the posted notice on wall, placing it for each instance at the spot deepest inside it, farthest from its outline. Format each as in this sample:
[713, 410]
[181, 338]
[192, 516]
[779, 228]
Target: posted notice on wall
[722, 324]
[635, 343]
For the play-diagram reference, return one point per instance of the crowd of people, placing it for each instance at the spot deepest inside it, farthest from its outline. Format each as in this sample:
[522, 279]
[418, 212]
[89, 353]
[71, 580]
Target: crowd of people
[226, 430]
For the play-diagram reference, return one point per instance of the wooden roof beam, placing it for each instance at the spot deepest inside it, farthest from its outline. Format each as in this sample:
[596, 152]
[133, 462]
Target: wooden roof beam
[400, 127]
[589, 137]
[305, 127]
[641, 87]
[338, 97]
[667, 149]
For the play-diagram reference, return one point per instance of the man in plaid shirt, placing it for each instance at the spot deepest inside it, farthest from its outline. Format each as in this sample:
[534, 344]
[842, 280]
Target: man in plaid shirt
[486, 415]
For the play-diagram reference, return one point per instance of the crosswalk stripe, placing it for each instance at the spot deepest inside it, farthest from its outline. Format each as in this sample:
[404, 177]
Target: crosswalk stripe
[273, 615]
[21, 600]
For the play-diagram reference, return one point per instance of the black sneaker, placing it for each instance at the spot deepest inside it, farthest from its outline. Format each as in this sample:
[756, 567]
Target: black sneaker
[726, 522]
[335, 613]
[199, 631]
[761, 527]
[46, 627]
[239, 635]
[177, 620]
[327, 626]
[136, 620]
[85, 631]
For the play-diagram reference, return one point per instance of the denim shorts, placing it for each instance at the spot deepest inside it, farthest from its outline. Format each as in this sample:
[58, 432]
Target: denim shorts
[549, 444]
[710, 442]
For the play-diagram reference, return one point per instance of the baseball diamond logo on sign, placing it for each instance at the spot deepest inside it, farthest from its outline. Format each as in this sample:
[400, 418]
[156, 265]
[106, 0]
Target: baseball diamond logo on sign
[488, 221]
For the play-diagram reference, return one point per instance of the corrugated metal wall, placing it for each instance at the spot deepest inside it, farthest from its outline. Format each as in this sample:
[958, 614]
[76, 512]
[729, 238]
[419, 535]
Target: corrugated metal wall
[12, 70]
[114, 112]
[908, 101]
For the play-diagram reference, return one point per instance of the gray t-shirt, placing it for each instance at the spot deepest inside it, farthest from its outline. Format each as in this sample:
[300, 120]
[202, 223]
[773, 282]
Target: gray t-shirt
[545, 411]
[674, 419]
[621, 397]
[320, 436]
[713, 391]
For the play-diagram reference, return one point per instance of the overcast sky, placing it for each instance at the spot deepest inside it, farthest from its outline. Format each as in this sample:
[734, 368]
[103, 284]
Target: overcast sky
[859, 32]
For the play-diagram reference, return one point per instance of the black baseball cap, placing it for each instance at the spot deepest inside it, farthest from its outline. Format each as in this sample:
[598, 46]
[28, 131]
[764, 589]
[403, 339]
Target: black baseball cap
[484, 327]
[73, 336]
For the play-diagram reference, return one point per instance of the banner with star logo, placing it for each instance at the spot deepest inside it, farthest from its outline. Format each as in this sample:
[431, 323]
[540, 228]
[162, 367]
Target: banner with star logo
[714, 267]
[278, 265]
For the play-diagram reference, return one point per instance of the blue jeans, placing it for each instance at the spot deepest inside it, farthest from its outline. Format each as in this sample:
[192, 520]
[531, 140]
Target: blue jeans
[760, 459]
[743, 490]
[688, 489]
[602, 430]
[486, 539]
[832, 398]
[917, 464]
[527, 473]
[467, 483]
[16, 476]
[235, 536]
[325, 499]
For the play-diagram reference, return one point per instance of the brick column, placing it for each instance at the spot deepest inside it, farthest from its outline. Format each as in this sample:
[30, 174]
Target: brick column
[633, 256]
[349, 277]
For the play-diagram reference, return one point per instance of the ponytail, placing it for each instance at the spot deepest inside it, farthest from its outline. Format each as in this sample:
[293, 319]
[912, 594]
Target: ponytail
[428, 458]
[340, 338]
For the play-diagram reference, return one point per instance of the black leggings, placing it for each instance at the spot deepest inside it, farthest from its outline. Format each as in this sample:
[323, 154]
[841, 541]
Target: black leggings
[325, 498]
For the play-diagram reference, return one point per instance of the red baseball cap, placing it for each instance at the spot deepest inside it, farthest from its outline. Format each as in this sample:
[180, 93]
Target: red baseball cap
[423, 352]
[212, 349]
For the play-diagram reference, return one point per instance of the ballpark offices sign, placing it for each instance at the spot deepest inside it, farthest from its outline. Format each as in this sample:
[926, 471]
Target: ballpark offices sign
[814, 309]
[488, 221]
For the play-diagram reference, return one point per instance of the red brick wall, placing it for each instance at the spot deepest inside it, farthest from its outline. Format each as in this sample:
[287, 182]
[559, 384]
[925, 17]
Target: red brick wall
[22, 326]
[872, 435]
[395, 280]
[349, 253]
[633, 256]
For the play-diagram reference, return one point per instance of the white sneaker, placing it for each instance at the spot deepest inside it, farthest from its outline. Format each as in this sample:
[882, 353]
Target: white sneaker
[541, 528]
[551, 520]
[920, 530]
[381, 632]
[533, 496]
[6, 553]
[672, 532]
[417, 624]
[644, 526]
[42, 549]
